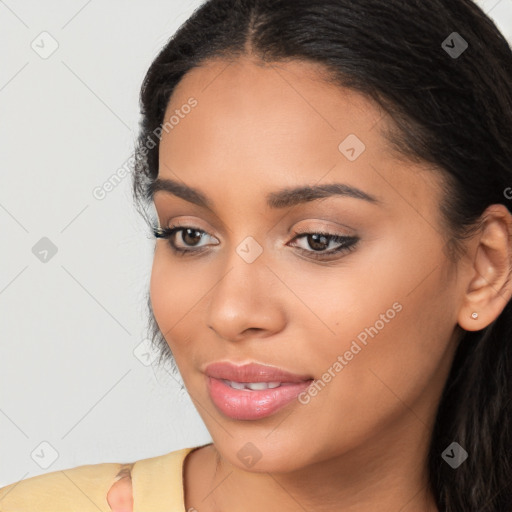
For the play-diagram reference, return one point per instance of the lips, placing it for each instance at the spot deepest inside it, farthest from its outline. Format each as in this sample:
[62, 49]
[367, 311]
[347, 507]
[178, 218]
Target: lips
[252, 391]
[252, 372]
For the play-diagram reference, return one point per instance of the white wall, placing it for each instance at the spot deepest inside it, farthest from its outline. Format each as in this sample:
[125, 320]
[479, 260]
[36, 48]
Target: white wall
[68, 375]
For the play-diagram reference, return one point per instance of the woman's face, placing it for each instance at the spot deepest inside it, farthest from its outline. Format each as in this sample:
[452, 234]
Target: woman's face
[373, 325]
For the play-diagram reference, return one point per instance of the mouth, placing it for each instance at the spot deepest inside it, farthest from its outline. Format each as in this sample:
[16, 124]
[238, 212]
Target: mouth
[253, 386]
[252, 391]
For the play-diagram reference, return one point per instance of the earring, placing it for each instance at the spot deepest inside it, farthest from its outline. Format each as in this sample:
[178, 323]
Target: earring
[474, 315]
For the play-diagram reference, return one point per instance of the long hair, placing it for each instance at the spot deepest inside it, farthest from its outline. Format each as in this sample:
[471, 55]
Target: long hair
[449, 96]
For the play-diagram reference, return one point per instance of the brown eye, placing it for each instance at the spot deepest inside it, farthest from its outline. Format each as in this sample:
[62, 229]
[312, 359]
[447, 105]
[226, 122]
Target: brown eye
[190, 236]
[319, 242]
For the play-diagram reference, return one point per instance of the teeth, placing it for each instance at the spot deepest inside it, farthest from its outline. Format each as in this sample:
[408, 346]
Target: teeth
[254, 386]
[257, 386]
[236, 385]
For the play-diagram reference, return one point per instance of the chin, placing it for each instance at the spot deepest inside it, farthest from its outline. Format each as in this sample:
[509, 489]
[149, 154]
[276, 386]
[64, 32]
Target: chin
[264, 453]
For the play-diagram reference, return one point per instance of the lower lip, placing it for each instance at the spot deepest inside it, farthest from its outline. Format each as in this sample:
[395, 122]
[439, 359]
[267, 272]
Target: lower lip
[245, 404]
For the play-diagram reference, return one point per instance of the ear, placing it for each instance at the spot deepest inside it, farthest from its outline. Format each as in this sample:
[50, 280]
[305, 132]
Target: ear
[490, 286]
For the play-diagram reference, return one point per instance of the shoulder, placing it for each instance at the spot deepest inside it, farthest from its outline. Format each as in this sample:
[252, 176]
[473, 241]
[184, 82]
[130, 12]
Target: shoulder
[158, 481]
[168, 462]
[82, 488]
[85, 488]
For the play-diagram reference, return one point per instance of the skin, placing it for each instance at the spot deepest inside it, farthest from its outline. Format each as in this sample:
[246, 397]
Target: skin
[120, 496]
[361, 444]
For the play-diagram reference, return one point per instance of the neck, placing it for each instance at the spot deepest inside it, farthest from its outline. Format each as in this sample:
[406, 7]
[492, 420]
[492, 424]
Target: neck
[387, 472]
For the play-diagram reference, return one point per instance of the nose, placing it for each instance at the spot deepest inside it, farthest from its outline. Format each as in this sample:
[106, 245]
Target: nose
[246, 301]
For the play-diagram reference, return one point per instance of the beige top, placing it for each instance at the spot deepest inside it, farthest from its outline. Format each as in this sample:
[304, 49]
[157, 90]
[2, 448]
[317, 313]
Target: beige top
[157, 484]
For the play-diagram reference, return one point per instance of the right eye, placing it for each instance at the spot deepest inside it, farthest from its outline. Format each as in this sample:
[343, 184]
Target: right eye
[189, 232]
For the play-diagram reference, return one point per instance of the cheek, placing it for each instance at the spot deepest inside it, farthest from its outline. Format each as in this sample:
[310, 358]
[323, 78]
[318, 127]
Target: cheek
[179, 297]
[172, 297]
[160, 287]
[393, 326]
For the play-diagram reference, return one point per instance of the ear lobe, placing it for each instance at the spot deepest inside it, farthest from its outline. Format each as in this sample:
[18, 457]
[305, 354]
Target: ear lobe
[490, 286]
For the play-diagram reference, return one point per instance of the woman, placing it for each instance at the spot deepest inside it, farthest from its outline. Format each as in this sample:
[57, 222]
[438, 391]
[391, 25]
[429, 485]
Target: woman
[332, 270]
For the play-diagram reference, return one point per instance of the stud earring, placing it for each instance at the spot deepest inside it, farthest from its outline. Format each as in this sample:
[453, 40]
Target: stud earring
[474, 315]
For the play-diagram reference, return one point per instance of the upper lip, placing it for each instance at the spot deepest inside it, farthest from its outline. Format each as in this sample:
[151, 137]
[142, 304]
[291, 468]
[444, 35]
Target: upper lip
[251, 372]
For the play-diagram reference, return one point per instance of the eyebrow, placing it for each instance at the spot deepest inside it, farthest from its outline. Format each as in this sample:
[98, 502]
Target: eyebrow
[283, 198]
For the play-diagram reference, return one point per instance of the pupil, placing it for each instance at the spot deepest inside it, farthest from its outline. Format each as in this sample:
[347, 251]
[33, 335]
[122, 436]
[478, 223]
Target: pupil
[187, 232]
[316, 245]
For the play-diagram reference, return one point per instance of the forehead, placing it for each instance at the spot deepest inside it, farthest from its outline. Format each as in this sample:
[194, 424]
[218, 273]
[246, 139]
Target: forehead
[255, 125]
[270, 116]
[293, 97]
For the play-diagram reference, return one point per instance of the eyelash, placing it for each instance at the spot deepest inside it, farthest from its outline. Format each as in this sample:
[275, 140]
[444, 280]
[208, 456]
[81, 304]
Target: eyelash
[348, 242]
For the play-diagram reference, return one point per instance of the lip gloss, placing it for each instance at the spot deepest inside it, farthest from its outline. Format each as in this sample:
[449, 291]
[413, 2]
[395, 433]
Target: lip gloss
[246, 404]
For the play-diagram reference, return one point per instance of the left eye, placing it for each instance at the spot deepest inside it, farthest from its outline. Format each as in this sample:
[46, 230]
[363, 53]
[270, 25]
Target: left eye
[318, 241]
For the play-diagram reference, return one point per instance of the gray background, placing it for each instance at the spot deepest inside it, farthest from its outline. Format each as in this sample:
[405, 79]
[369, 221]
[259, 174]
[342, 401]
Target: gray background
[76, 383]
